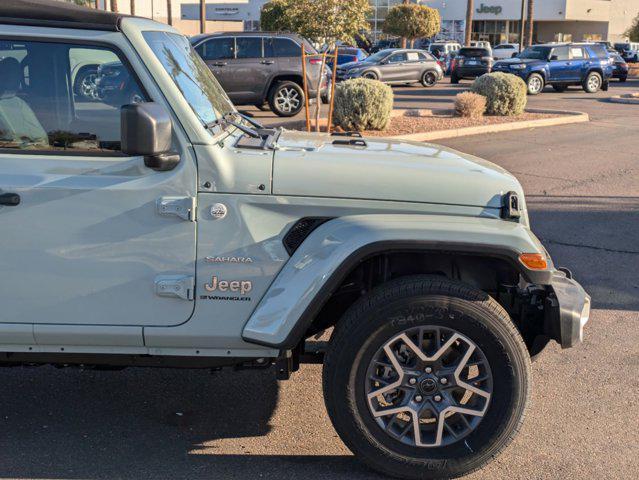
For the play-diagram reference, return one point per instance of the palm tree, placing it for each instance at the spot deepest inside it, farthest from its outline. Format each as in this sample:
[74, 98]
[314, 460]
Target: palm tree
[405, 2]
[531, 9]
[114, 6]
[132, 7]
[202, 16]
[169, 12]
[469, 22]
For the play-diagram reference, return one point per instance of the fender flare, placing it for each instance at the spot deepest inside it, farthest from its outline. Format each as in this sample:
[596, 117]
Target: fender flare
[332, 250]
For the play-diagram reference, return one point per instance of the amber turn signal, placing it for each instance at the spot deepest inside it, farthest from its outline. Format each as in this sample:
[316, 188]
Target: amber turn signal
[534, 261]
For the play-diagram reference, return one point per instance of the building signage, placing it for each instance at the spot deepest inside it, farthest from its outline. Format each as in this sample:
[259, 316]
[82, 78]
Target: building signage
[494, 9]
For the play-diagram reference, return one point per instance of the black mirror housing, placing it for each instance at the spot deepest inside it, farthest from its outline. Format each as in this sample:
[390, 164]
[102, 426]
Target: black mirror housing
[147, 131]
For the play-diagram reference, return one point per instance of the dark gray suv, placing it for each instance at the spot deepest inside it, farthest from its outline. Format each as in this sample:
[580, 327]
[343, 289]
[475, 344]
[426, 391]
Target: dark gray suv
[255, 68]
[395, 66]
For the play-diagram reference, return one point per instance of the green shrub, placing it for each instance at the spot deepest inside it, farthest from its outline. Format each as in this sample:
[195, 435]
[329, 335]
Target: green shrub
[363, 104]
[505, 93]
[471, 105]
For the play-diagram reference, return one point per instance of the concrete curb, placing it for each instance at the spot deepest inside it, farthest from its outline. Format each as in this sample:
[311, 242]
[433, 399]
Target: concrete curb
[627, 99]
[565, 118]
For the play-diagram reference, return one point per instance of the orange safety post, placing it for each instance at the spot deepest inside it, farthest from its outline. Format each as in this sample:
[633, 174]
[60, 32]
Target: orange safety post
[306, 105]
[329, 123]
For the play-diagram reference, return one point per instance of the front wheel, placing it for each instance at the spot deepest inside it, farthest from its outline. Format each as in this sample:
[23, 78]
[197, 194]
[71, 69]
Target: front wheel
[623, 79]
[429, 79]
[426, 378]
[593, 82]
[535, 84]
[286, 99]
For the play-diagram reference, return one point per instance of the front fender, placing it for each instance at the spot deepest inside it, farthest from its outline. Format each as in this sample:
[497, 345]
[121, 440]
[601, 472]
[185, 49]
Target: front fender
[331, 251]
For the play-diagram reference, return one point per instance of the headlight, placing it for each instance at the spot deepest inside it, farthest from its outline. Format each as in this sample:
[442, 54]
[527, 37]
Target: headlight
[519, 66]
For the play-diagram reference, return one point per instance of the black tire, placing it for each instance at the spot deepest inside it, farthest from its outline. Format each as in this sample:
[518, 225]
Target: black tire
[277, 98]
[560, 88]
[454, 79]
[593, 82]
[397, 307]
[535, 84]
[429, 79]
[370, 75]
[623, 79]
[85, 86]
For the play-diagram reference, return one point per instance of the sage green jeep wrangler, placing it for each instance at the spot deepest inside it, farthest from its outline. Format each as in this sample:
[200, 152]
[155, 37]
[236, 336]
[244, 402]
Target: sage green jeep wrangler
[173, 231]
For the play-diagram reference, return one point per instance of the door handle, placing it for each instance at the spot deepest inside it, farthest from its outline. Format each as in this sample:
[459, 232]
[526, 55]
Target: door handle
[10, 199]
[219, 64]
[267, 62]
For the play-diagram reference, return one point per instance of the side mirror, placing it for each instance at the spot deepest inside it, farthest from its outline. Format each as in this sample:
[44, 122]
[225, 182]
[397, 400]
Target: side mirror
[514, 55]
[554, 57]
[147, 131]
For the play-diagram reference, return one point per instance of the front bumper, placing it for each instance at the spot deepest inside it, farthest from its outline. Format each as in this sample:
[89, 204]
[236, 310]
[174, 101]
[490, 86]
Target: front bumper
[569, 310]
[471, 71]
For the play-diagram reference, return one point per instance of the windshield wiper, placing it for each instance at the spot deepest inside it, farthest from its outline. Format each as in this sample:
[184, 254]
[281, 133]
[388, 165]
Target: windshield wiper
[252, 121]
[227, 120]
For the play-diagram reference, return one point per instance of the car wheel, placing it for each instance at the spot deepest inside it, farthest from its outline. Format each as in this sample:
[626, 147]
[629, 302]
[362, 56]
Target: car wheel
[370, 75]
[85, 86]
[429, 79]
[593, 82]
[535, 84]
[560, 88]
[426, 378]
[286, 99]
[622, 79]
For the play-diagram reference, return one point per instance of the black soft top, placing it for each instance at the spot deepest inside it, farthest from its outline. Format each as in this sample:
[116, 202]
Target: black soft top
[53, 13]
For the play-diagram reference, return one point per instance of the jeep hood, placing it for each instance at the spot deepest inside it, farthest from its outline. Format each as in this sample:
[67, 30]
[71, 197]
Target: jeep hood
[314, 165]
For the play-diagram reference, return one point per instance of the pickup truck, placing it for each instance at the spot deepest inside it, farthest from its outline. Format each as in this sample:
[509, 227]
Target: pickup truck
[175, 232]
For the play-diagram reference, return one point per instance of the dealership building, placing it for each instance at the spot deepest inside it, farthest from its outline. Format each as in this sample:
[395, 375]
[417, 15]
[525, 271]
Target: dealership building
[498, 21]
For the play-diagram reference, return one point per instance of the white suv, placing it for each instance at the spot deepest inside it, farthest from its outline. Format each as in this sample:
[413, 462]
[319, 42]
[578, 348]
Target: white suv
[505, 50]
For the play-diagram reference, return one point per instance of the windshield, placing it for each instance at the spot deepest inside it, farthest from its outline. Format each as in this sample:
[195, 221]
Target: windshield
[536, 53]
[190, 74]
[621, 46]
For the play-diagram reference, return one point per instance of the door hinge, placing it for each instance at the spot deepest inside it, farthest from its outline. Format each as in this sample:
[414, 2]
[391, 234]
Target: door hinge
[183, 207]
[178, 286]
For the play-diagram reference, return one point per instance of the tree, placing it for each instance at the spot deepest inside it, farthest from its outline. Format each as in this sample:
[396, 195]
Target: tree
[633, 32]
[412, 21]
[469, 22]
[531, 16]
[132, 5]
[114, 6]
[169, 12]
[274, 16]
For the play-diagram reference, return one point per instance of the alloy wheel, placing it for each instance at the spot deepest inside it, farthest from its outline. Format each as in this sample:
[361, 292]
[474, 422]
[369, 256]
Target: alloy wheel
[535, 85]
[287, 100]
[594, 83]
[428, 386]
[89, 87]
[429, 79]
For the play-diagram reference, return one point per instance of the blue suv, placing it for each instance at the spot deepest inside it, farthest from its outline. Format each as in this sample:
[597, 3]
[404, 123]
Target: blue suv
[561, 65]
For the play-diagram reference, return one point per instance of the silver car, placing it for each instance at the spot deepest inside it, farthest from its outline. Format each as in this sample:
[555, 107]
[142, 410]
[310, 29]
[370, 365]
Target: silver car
[395, 66]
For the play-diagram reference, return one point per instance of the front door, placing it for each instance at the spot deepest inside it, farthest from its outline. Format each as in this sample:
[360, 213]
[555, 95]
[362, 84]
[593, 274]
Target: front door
[85, 239]
[560, 64]
[394, 68]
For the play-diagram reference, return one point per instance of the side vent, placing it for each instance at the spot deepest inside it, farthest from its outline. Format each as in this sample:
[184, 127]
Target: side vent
[302, 229]
[510, 206]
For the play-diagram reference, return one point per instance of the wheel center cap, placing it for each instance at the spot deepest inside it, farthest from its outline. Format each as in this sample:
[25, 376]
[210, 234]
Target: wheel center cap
[428, 386]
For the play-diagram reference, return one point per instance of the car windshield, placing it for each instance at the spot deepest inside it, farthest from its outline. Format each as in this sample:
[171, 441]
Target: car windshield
[190, 74]
[621, 46]
[536, 53]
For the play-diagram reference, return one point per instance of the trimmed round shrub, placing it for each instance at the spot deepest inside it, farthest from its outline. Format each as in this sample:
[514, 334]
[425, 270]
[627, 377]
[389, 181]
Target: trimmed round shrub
[363, 104]
[470, 105]
[505, 93]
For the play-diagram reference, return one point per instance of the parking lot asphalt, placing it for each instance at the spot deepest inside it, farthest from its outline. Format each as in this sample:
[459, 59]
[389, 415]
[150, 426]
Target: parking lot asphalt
[582, 184]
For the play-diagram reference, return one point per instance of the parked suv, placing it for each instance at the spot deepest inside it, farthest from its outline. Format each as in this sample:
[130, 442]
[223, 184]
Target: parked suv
[175, 232]
[395, 66]
[561, 65]
[470, 62]
[629, 51]
[255, 68]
